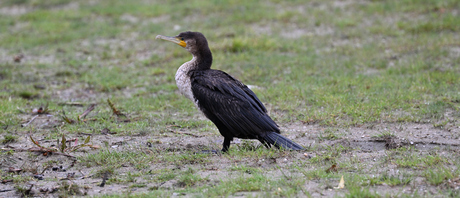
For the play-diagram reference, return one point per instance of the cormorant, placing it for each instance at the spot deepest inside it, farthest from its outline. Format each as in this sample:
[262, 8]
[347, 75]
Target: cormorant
[228, 103]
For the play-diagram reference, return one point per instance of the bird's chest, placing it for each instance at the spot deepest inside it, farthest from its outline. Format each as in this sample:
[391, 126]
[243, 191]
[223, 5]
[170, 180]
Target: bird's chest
[183, 82]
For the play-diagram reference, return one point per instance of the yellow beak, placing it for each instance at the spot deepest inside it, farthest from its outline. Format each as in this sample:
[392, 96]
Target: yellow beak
[172, 39]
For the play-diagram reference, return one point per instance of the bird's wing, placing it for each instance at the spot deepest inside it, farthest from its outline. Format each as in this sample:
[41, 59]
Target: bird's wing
[226, 100]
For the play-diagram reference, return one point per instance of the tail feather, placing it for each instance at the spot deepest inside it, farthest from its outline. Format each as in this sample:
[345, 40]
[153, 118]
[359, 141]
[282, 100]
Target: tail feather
[280, 141]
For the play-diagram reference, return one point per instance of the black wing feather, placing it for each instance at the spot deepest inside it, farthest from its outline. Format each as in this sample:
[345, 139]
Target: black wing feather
[231, 105]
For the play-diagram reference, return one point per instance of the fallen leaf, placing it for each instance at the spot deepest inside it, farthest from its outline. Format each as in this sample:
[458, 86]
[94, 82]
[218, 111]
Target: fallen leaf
[18, 58]
[341, 184]
[333, 168]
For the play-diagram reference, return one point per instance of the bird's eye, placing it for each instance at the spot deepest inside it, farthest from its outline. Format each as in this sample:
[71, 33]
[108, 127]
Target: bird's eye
[181, 38]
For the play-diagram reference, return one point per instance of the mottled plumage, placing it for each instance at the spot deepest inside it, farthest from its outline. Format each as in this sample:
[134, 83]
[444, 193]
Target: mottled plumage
[228, 103]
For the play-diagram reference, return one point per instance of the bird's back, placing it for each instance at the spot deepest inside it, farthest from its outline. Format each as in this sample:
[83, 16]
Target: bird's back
[230, 104]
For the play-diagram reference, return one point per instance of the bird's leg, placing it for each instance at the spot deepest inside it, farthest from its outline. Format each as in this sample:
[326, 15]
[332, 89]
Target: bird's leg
[226, 144]
[225, 147]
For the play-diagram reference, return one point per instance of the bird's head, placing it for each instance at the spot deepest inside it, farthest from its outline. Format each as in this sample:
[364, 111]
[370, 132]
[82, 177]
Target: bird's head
[194, 42]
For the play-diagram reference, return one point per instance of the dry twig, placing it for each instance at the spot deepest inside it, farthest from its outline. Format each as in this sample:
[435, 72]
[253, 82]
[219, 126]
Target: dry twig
[24, 125]
[114, 109]
[185, 133]
[71, 104]
[66, 119]
[86, 112]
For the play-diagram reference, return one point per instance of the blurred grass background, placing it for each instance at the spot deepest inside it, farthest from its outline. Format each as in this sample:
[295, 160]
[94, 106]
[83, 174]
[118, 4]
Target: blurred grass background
[336, 63]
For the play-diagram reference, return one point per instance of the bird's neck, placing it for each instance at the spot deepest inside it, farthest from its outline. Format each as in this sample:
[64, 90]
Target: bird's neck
[202, 60]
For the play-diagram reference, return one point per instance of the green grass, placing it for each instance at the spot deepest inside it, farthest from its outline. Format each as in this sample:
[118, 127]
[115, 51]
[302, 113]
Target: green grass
[9, 139]
[331, 64]
[412, 159]
[361, 192]
[331, 87]
[390, 180]
[115, 159]
[440, 174]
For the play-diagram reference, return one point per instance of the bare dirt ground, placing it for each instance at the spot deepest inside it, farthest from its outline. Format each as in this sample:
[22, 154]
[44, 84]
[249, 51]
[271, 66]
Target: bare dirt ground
[363, 143]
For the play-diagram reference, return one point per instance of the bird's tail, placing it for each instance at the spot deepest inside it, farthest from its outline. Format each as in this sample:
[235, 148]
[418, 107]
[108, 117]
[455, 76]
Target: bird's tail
[280, 141]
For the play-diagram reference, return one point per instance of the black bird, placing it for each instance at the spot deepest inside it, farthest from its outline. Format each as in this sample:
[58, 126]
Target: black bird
[228, 103]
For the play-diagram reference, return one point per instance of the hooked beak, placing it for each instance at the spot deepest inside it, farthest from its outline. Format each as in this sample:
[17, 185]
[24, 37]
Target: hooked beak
[172, 39]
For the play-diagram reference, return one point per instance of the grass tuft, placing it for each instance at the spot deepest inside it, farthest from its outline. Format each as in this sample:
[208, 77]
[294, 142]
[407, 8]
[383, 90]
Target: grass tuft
[8, 138]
